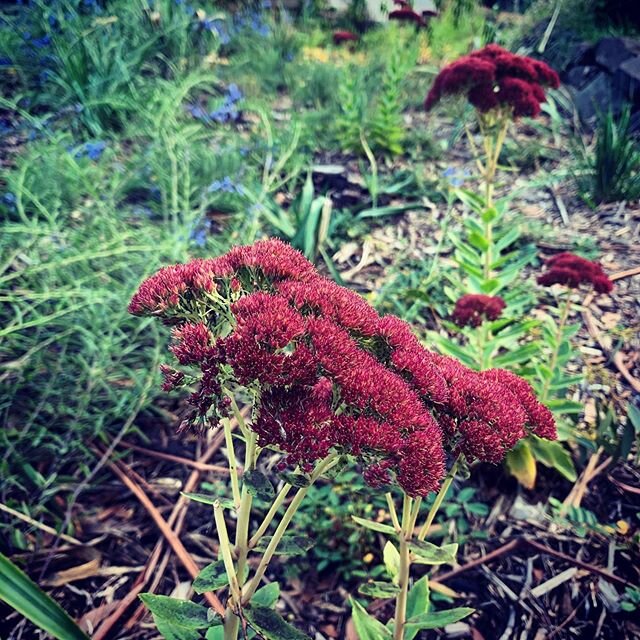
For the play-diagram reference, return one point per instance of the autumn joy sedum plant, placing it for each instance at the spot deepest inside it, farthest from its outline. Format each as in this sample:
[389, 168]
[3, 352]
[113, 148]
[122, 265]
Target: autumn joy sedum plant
[502, 87]
[329, 380]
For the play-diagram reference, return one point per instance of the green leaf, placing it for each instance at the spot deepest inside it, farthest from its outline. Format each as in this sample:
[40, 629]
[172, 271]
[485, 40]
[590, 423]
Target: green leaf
[267, 596]
[374, 526]
[174, 632]
[428, 553]
[258, 485]
[489, 215]
[379, 589]
[297, 480]
[20, 593]
[522, 464]
[211, 578]
[437, 619]
[367, 627]
[178, 613]
[633, 413]
[561, 406]
[552, 454]
[289, 545]
[206, 498]
[215, 633]
[378, 212]
[271, 624]
[478, 241]
[391, 558]
[417, 604]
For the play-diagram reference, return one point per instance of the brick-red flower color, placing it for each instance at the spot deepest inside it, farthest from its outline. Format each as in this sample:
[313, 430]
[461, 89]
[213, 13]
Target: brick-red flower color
[407, 14]
[344, 36]
[473, 309]
[572, 271]
[493, 78]
[327, 371]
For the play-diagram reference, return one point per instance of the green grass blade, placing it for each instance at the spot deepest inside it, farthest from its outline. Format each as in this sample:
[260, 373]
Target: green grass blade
[19, 592]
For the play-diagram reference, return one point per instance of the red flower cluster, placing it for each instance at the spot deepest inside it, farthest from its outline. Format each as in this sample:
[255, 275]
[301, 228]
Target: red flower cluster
[493, 78]
[473, 309]
[344, 36]
[407, 14]
[329, 371]
[572, 271]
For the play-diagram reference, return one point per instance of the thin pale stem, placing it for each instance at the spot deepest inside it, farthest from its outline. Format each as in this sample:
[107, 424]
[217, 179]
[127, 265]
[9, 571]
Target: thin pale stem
[564, 316]
[404, 570]
[414, 514]
[225, 550]
[484, 336]
[268, 519]
[233, 469]
[253, 584]
[392, 512]
[438, 501]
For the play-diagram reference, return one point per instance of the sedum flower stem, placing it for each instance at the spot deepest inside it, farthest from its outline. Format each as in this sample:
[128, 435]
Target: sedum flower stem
[251, 587]
[438, 501]
[404, 570]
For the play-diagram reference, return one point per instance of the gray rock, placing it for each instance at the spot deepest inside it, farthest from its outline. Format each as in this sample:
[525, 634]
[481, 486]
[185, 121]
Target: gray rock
[631, 68]
[612, 52]
[594, 97]
[580, 76]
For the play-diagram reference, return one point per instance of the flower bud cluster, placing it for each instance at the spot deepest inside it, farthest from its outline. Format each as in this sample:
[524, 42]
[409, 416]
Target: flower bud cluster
[572, 271]
[473, 309]
[328, 371]
[494, 78]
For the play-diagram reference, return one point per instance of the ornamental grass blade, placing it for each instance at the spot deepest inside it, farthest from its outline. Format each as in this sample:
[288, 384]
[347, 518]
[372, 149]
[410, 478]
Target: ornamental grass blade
[21, 593]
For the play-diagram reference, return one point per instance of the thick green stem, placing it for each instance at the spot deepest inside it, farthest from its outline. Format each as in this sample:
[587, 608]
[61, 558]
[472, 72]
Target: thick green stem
[564, 316]
[400, 617]
[438, 501]
[252, 585]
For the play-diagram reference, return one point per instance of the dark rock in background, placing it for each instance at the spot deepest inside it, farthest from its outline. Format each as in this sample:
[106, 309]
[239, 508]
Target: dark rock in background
[605, 75]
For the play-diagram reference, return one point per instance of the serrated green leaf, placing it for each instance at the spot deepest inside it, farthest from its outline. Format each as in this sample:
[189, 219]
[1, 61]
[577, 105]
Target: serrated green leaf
[428, 553]
[379, 589]
[179, 613]
[23, 595]
[367, 627]
[267, 596]
[297, 480]
[374, 526]
[271, 624]
[173, 632]
[211, 578]
[290, 545]
[258, 485]
[437, 619]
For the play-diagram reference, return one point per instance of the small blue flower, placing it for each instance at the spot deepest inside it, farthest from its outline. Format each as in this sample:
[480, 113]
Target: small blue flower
[91, 150]
[9, 199]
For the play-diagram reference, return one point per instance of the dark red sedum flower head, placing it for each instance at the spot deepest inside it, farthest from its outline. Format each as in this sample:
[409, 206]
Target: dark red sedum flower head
[572, 271]
[494, 78]
[473, 309]
[407, 14]
[344, 36]
[327, 371]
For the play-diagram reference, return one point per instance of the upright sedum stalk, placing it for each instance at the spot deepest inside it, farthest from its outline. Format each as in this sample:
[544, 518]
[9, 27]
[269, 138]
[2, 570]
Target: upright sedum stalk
[404, 570]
